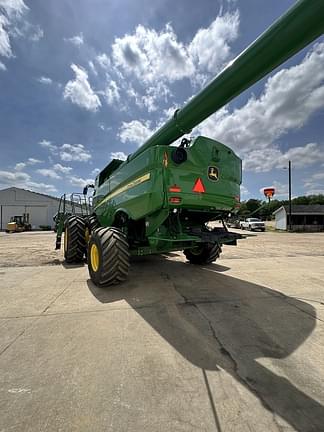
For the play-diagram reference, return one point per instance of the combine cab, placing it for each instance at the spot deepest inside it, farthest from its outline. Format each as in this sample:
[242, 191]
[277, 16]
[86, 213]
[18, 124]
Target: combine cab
[163, 198]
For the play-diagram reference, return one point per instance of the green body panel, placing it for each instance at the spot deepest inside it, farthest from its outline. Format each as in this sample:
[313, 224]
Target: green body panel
[152, 195]
[140, 189]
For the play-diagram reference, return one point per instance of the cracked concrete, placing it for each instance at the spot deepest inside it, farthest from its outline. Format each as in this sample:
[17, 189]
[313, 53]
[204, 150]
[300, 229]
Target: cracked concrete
[236, 346]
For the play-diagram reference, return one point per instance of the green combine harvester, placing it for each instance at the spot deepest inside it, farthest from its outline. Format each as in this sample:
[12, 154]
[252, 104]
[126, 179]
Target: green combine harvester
[162, 198]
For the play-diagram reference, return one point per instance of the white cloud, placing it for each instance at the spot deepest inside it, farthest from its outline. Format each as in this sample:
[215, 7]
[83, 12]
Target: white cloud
[76, 40]
[2, 66]
[103, 127]
[315, 191]
[309, 154]
[23, 180]
[118, 155]
[155, 58]
[48, 145]
[318, 176]
[95, 171]
[67, 152]
[244, 191]
[290, 97]
[135, 131]
[144, 64]
[92, 67]
[13, 8]
[20, 166]
[314, 184]
[35, 33]
[32, 161]
[112, 92]
[262, 160]
[210, 47]
[48, 173]
[13, 24]
[74, 152]
[152, 56]
[44, 80]
[104, 61]
[151, 97]
[62, 169]
[80, 92]
[5, 47]
[80, 182]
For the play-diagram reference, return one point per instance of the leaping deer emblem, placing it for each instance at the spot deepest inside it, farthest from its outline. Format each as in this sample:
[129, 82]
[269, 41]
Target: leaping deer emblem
[213, 173]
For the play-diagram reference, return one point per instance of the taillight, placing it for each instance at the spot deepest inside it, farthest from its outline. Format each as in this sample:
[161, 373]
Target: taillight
[175, 200]
[174, 188]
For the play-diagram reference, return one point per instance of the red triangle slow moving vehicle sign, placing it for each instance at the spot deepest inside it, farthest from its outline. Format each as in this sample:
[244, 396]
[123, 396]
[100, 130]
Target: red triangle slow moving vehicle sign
[199, 186]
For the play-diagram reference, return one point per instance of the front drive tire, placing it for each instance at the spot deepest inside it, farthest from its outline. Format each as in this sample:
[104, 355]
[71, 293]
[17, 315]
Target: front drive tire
[74, 239]
[206, 253]
[108, 256]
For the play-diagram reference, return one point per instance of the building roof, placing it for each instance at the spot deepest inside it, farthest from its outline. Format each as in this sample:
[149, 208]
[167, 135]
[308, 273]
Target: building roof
[299, 209]
[27, 190]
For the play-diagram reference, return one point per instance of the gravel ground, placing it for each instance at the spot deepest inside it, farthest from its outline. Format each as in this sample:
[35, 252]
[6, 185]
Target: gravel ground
[37, 248]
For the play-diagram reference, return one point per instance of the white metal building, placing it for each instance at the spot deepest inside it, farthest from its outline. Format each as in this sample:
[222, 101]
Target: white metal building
[15, 202]
[303, 217]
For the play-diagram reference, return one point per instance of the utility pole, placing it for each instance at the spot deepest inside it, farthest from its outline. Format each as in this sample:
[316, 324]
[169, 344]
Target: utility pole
[289, 188]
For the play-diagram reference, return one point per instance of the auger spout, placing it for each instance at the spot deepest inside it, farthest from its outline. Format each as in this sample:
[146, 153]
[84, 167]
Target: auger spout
[293, 31]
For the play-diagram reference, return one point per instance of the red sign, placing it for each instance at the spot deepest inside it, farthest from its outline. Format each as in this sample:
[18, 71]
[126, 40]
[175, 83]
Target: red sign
[269, 192]
[199, 186]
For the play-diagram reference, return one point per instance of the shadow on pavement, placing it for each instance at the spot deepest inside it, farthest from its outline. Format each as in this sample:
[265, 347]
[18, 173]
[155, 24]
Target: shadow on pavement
[218, 321]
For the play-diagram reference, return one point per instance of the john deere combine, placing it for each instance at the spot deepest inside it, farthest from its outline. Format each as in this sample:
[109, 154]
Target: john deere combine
[161, 198]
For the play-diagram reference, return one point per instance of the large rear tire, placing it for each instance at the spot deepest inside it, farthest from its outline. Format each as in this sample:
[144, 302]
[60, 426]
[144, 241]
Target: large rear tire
[74, 239]
[205, 253]
[108, 256]
[93, 223]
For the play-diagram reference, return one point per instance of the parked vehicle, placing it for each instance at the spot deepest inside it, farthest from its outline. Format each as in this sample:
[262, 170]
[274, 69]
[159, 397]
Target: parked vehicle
[19, 224]
[252, 224]
[233, 223]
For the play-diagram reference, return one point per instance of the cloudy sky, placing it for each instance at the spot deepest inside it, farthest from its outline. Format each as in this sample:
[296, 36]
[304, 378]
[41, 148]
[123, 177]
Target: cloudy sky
[83, 82]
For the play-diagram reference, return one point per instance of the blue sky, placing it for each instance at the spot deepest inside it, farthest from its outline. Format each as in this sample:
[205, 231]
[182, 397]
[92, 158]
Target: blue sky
[82, 82]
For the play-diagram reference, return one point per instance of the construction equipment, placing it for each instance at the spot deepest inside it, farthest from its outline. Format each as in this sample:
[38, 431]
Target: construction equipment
[162, 198]
[19, 224]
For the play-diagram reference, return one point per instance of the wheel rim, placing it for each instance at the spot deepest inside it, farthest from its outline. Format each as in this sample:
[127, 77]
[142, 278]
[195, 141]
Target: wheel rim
[94, 257]
[65, 239]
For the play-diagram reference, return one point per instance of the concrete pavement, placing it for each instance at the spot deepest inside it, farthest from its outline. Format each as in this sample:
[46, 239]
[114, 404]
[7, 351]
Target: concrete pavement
[236, 346]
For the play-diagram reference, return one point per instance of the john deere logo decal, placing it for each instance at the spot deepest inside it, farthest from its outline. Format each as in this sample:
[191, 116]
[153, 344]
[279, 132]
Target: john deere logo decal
[213, 173]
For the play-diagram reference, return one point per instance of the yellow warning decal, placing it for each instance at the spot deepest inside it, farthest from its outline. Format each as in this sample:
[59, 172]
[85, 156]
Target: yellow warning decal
[127, 186]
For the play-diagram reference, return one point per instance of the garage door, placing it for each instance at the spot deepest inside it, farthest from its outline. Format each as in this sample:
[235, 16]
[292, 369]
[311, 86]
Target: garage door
[37, 214]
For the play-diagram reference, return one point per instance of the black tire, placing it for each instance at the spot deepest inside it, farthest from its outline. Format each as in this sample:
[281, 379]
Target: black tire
[112, 263]
[206, 253]
[74, 239]
[93, 223]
